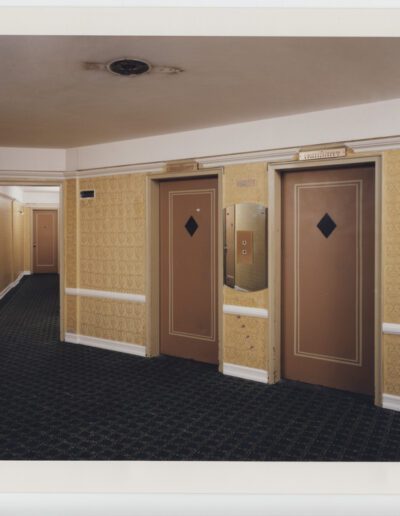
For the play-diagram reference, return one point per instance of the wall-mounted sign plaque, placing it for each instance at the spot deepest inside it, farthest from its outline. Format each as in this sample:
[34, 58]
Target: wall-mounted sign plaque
[88, 194]
[338, 152]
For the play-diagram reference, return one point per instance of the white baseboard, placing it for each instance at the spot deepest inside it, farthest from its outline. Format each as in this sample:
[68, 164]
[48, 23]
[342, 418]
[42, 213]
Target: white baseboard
[113, 345]
[247, 373]
[13, 284]
[391, 401]
[6, 290]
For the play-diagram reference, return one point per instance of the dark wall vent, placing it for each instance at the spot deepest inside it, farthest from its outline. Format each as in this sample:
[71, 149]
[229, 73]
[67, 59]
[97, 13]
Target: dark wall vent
[87, 194]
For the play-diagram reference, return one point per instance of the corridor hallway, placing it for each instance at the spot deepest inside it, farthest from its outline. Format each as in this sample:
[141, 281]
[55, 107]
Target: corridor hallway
[62, 401]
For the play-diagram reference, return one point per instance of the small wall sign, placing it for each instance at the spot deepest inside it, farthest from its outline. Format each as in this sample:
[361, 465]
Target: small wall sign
[245, 183]
[88, 194]
[183, 165]
[338, 152]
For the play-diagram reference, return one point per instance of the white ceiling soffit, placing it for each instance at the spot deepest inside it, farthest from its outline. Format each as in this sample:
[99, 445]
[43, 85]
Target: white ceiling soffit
[48, 99]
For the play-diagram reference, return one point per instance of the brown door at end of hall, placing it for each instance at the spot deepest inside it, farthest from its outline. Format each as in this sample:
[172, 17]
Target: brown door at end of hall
[328, 277]
[188, 269]
[45, 241]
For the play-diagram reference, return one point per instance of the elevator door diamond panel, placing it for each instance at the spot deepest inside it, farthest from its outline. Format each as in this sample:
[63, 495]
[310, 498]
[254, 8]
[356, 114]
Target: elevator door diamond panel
[326, 225]
[191, 226]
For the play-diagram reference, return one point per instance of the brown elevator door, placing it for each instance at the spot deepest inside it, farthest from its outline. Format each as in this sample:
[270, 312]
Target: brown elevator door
[45, 241]
[188, 269]
[328, 277]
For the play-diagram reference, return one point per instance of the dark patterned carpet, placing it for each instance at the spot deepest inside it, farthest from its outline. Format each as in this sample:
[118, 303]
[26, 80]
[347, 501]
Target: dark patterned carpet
[64, 401]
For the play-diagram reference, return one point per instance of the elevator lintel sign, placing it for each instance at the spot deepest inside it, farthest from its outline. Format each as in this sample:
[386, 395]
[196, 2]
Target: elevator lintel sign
[245, 183]
[338, 152]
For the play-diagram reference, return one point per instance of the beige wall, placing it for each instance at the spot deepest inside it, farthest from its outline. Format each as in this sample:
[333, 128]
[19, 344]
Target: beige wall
[391, 268]
[6, 246]
[11, 241]
[18, 220]
[105, 250]
[27, 239]
[112, 234]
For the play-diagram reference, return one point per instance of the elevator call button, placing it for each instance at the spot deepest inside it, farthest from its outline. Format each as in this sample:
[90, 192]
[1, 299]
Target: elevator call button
[244, 246]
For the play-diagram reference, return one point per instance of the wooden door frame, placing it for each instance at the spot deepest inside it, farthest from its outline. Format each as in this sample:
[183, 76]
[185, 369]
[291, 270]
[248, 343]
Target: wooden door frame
[61, 269]
[275, 171]
[44, 207]
[153, 256]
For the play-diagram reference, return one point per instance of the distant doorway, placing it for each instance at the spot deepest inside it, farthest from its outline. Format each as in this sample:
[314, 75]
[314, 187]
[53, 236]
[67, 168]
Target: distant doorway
[45, 241]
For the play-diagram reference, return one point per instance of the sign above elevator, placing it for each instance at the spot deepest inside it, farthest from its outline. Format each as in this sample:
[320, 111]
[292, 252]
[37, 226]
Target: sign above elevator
[337, 152]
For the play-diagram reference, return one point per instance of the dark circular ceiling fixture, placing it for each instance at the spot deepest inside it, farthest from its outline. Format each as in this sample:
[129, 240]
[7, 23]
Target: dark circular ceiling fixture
[127, 67]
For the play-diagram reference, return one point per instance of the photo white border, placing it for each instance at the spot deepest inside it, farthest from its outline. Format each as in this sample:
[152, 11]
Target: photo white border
[161, 484]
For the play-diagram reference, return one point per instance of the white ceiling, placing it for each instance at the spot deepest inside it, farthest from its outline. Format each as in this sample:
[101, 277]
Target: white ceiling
[33, 194]
[48, 98]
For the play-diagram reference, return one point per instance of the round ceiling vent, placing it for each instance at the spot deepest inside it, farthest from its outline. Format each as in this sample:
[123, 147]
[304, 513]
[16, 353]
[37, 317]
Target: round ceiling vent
[128, 67]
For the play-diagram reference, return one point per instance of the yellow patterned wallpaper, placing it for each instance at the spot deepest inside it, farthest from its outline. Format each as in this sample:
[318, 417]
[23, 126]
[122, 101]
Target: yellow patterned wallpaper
[256, 189]
[70, 254]
[257, 299]
[71, 314]
[105, 250]
[27, 239]
[391, 236]
[6, 266]
[391, 364]
[245, 341]
[112, 234]
[18, 238]
[70, 233]
[12, 227]
[391, 268]
[113, 319]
